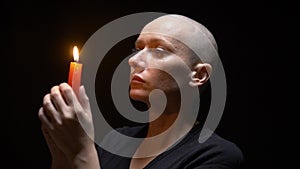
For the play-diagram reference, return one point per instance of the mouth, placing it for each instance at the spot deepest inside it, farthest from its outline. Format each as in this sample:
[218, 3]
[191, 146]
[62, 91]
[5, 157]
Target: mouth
[137, 79]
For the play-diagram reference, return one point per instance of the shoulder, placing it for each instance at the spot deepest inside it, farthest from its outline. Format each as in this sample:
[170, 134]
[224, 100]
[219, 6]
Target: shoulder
[215, 152]
[226, 150]
[219, 152]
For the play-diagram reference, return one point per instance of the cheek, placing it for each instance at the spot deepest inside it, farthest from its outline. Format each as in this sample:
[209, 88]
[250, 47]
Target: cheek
[164, 71]
[162, 80]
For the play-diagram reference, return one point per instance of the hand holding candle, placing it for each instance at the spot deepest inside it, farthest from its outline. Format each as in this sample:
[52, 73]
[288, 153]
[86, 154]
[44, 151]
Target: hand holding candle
[75, 72]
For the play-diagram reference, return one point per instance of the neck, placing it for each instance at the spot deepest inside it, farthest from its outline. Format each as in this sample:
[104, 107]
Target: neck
[161, 124]
[158, 139]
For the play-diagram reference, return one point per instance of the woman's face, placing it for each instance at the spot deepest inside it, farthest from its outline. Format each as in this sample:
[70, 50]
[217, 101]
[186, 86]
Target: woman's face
[157, 56]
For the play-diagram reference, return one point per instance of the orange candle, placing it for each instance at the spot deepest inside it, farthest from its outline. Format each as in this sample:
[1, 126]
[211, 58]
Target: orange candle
[74, 79]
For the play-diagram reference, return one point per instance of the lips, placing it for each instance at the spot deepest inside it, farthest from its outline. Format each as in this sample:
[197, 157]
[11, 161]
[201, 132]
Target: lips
[137, 79]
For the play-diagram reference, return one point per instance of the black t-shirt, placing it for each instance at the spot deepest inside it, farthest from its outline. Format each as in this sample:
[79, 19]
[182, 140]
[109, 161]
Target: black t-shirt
[188, 153]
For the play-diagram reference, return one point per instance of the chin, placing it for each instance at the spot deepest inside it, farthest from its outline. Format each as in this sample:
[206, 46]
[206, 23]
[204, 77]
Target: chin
[138, 95]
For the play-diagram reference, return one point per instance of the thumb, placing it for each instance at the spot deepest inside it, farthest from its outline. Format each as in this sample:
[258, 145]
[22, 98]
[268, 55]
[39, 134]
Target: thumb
[83, 99]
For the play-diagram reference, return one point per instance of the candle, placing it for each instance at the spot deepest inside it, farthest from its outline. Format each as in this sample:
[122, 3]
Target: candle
[74, 79]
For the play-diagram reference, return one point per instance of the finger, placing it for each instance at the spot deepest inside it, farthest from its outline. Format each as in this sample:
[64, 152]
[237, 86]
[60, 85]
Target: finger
[67, 93]
[83, 99]
[48, 107]
[50, 110]
[45, 132]
[57, 99]
[50, 142]
[44, 119]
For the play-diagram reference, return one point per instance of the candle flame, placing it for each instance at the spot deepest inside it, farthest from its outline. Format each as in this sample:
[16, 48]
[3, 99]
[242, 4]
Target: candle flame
[76, 54]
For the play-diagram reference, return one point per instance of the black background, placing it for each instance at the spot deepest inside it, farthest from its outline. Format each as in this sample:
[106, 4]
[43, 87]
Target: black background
[38, 38]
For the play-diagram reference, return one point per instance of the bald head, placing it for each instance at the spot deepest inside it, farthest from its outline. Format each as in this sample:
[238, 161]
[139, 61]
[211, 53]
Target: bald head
[191, 33]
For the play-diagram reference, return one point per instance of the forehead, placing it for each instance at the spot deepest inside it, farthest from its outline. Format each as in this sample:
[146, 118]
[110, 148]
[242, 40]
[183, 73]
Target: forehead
[194, 39]
[169, 30]
[172, 45]
[153, 38]
[171, 27]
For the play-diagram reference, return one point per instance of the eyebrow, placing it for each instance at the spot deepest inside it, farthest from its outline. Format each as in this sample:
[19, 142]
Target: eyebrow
[154, 40]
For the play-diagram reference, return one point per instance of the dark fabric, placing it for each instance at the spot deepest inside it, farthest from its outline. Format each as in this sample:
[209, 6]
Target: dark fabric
[215, 152]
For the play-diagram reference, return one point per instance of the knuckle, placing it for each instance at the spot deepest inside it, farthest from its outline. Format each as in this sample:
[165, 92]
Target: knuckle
[55, 95]
[52, 127]
[68, 117]
[67, 110]
[47, 103]
[86, 99]
[59, 123]
[64, 84]
[41, 113]
[46, 97]
[64, 87]
[54, 88]
[68, 91]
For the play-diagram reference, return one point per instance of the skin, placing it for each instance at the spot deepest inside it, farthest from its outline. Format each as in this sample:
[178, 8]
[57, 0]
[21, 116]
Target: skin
[71, 146]
[142, 64]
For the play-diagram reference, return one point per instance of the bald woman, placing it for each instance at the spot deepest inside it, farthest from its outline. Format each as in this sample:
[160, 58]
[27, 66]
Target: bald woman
[174, 53]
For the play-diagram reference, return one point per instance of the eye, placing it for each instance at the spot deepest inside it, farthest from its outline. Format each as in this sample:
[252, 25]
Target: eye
[135, 50]
[160, 49]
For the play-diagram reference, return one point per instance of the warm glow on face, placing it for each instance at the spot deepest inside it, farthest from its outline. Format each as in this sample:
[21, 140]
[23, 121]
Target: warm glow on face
[76, 54]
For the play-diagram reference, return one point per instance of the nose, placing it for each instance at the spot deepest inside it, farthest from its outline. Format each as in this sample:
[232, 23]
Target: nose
[137, 62]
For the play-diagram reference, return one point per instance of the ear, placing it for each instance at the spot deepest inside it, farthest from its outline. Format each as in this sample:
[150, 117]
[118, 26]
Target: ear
[200, 74]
